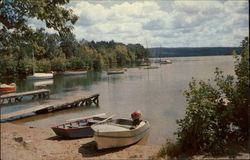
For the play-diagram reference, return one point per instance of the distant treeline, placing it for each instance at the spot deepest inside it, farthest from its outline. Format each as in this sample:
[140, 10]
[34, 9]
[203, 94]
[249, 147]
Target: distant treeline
[185, 52]
[44, 52]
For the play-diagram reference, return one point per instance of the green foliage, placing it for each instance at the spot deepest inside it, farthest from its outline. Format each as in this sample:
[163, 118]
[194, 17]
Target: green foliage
[43, 65]
[76, 63]
[8, 65]
[25, 66]
[58, 64]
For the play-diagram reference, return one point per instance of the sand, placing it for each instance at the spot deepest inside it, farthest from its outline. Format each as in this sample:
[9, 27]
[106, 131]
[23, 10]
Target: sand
[19, 142]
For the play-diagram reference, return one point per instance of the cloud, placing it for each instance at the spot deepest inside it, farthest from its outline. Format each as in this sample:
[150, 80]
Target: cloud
[165, 23]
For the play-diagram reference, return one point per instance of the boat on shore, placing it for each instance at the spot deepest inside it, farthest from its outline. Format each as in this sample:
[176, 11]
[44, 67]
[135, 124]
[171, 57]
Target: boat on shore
[72, 73]
[119, 133]
[37, 76]
[80, 127]
[7, 88]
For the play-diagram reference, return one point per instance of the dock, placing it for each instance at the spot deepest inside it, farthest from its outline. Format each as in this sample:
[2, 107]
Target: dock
[18, 97]
[68, 102]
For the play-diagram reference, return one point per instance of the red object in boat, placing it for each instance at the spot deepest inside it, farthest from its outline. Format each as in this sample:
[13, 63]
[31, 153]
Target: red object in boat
[8, 87]
[136, 115]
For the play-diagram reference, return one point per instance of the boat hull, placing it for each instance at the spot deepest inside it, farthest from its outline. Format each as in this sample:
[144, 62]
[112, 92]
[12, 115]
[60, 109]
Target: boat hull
[115, 72]
[74, 73]
[74, 132]
[106, 140]
[40, 76]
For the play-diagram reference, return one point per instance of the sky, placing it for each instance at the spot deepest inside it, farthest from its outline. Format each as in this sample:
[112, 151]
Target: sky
[166, 23]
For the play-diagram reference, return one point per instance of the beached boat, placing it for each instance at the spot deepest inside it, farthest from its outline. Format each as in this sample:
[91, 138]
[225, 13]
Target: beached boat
[37, 76]
[71, 73]
[6, 88]
[115, 72]
[80, 127]
[119, 133]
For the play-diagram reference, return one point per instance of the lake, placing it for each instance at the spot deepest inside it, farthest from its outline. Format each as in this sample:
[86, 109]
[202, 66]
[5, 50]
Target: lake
[158, 93]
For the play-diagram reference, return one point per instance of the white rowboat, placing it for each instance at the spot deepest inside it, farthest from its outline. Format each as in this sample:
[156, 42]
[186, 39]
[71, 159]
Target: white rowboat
[119, 133]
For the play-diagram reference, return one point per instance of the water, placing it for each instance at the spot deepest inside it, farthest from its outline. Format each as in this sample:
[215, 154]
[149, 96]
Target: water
[156, 92]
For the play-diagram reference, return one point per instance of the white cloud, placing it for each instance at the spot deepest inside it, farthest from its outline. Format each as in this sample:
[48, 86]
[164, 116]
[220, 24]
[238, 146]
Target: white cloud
[165, 23]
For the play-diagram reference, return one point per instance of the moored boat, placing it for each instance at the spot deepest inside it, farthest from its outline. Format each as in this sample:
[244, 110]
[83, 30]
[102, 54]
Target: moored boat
[37, 76]
[115, 72]
[79, 128]
[167, 61]
[119, 133]
[6, 88]
[71, 73]
[151, 67]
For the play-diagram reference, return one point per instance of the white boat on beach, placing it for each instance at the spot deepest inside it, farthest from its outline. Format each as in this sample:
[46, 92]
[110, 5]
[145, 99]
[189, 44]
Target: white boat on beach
[37, 76]
[119, 133]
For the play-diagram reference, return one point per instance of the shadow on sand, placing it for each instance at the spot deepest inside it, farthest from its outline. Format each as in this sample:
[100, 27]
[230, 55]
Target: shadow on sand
[90, 150]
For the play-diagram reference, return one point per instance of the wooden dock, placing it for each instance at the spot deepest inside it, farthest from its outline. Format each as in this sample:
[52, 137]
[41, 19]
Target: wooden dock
[68, 102]
[18, 97]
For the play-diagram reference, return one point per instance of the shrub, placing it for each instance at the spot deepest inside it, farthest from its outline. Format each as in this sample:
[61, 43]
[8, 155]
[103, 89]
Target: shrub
[25, 66]
[58, 64]
[43, 65]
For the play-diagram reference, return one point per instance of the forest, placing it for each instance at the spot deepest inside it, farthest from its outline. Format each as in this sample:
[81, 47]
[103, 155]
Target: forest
[46, 52]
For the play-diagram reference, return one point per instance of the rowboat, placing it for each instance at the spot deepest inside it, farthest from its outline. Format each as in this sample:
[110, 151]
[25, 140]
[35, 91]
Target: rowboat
[79, 128]
[37, 76]
[71, 73]
[119, 133]
[6, 88]
[115, 72]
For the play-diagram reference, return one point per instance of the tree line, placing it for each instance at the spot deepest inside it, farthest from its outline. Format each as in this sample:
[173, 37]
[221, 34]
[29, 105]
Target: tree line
[46, 52]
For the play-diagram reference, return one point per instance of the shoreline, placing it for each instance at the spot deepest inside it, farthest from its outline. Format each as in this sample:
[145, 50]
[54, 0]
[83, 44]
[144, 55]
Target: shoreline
[23, 142]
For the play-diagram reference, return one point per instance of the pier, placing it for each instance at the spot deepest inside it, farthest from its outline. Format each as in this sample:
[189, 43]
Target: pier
[18, 97]
[68, 102]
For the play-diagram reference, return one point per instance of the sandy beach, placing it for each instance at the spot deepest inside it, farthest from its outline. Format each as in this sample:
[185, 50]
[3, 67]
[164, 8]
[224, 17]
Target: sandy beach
[19, 142]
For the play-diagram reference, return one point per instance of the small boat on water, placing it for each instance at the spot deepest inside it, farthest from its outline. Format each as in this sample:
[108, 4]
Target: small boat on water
[151, 67]
[119, 133]
[167, 61]
[71, 73]
[6, 88]
[37, 76]
[115, 72]
[80, 127]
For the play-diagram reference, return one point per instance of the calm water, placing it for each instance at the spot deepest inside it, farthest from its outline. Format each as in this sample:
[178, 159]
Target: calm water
[157, 93]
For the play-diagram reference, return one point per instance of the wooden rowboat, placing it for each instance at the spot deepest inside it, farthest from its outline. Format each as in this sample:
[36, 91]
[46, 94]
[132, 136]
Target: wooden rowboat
[119, 133]
[79, 128]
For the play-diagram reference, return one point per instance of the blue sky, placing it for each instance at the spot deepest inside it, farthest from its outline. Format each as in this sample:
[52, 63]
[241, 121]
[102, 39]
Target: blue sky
[162, 23]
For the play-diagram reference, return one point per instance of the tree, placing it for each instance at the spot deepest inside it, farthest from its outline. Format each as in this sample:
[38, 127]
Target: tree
[15, 13]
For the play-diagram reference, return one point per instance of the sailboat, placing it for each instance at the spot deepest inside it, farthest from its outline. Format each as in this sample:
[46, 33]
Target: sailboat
[37, 76]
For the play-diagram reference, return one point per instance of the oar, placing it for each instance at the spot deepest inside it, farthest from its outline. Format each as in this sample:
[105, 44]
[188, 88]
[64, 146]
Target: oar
[105, 119]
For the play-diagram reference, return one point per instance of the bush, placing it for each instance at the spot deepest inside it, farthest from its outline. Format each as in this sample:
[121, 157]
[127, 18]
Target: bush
[8, 65]
[43, 65]
[58, 64]
[25, 66]
[76, 63]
